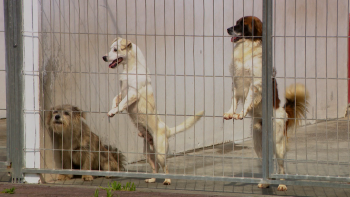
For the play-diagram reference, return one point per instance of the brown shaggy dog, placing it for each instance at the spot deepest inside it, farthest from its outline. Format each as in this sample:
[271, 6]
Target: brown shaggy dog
[82, 149]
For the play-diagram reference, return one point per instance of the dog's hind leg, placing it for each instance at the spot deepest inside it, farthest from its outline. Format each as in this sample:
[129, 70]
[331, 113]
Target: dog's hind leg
[229, 114]
[150, 154]
[161, 159]
[144, 133]
[257, 139]
[108, 162]
[280, 149]
[257, 136]
[162, 149]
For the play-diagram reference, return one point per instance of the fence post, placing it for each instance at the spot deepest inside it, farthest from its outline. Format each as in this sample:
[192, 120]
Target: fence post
[267, 130]
[347, 110]
[22, 87]
[14, 86]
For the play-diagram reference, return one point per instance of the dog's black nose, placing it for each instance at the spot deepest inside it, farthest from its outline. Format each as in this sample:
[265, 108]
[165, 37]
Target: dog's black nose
[104, 58]
[57, 117]
[230, 30]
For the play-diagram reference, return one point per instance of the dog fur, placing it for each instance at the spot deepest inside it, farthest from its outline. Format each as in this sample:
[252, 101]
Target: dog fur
[82, 149]
[136, 97]
[246, 71]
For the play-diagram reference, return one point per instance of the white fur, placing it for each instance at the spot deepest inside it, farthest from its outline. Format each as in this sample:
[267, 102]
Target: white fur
[246, 71]
[137, 98]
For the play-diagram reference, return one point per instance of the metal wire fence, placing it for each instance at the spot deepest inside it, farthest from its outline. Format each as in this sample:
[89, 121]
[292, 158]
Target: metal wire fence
[184, 54]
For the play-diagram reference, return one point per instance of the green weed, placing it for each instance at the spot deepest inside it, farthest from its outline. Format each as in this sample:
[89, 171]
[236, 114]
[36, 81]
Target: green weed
[114, 186]
[9, 191]
[96, 193]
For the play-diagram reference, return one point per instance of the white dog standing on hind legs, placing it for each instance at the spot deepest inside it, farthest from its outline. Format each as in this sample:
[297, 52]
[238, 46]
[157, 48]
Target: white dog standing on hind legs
[246, 71]
[137, 98]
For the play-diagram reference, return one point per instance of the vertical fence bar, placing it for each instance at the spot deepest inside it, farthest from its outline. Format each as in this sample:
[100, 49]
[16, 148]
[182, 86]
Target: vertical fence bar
[267, 148]
[14, 86]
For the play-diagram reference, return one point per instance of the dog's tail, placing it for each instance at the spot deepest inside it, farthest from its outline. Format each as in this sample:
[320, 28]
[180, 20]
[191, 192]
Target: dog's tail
[189, 122]
[117, 155]
[296, 104]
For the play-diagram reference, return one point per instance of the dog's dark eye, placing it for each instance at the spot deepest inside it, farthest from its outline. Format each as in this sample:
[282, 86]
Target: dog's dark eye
[66, 113]
[54, 112]
[115, 50]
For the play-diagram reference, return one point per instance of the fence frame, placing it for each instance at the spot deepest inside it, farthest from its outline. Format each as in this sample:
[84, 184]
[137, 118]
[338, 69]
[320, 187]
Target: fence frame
[267, 94]
[14, 87]
[15, 119]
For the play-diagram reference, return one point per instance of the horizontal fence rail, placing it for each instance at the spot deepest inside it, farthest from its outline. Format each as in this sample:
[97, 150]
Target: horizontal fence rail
[144, 89]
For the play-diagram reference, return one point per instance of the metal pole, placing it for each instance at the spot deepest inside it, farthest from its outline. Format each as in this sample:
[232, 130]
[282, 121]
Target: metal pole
[14, 86]
[267, 135]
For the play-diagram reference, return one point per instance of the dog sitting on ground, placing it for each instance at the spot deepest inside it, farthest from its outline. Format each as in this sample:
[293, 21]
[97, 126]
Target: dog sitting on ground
[137, 98]
[82, 149]
[246, 70]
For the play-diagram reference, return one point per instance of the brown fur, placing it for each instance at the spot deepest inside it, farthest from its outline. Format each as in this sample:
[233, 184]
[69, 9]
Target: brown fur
[79, 147]
[276, 99]
[246, 35]
[296, 104]
[252, 27]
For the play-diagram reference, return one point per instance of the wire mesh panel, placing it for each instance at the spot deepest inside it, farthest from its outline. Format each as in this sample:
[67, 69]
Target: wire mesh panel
[311, 48]
[183, 52]
[188, 89]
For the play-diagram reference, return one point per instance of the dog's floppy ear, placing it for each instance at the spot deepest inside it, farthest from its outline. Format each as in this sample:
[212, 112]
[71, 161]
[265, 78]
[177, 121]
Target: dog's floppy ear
[129, 44]
[115, 39]
[78, 111]
[257, 27]
[48, 116]
[125, 44]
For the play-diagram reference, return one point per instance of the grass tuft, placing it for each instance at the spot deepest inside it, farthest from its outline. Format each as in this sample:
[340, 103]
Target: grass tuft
[9, 191]
[114, 186]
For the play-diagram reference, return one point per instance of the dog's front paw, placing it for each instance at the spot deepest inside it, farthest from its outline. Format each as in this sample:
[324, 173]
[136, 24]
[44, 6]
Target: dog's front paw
[151, 180]
[110, 114]
[260, 185]
[167, 182]
[237, 116]
[282, 187]
[87, 177]
[113, 111]
[63, 177]
[228, 116]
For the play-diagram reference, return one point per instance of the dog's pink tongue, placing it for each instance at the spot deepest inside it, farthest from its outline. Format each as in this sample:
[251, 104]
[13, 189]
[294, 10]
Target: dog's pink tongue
[232, 39]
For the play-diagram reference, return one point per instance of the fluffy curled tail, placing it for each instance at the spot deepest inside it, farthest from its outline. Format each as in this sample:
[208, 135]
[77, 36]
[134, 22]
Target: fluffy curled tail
[296, 104]
[189, 122]
[117, 155]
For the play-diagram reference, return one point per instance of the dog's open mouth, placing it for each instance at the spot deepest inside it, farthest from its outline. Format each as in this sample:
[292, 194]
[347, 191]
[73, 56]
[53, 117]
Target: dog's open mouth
[235, 39]
[236, 36]
[116, 62]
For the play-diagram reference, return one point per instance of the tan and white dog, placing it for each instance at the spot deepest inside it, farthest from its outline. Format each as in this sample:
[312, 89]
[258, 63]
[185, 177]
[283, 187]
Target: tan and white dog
[246, 71]
[137, 98]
